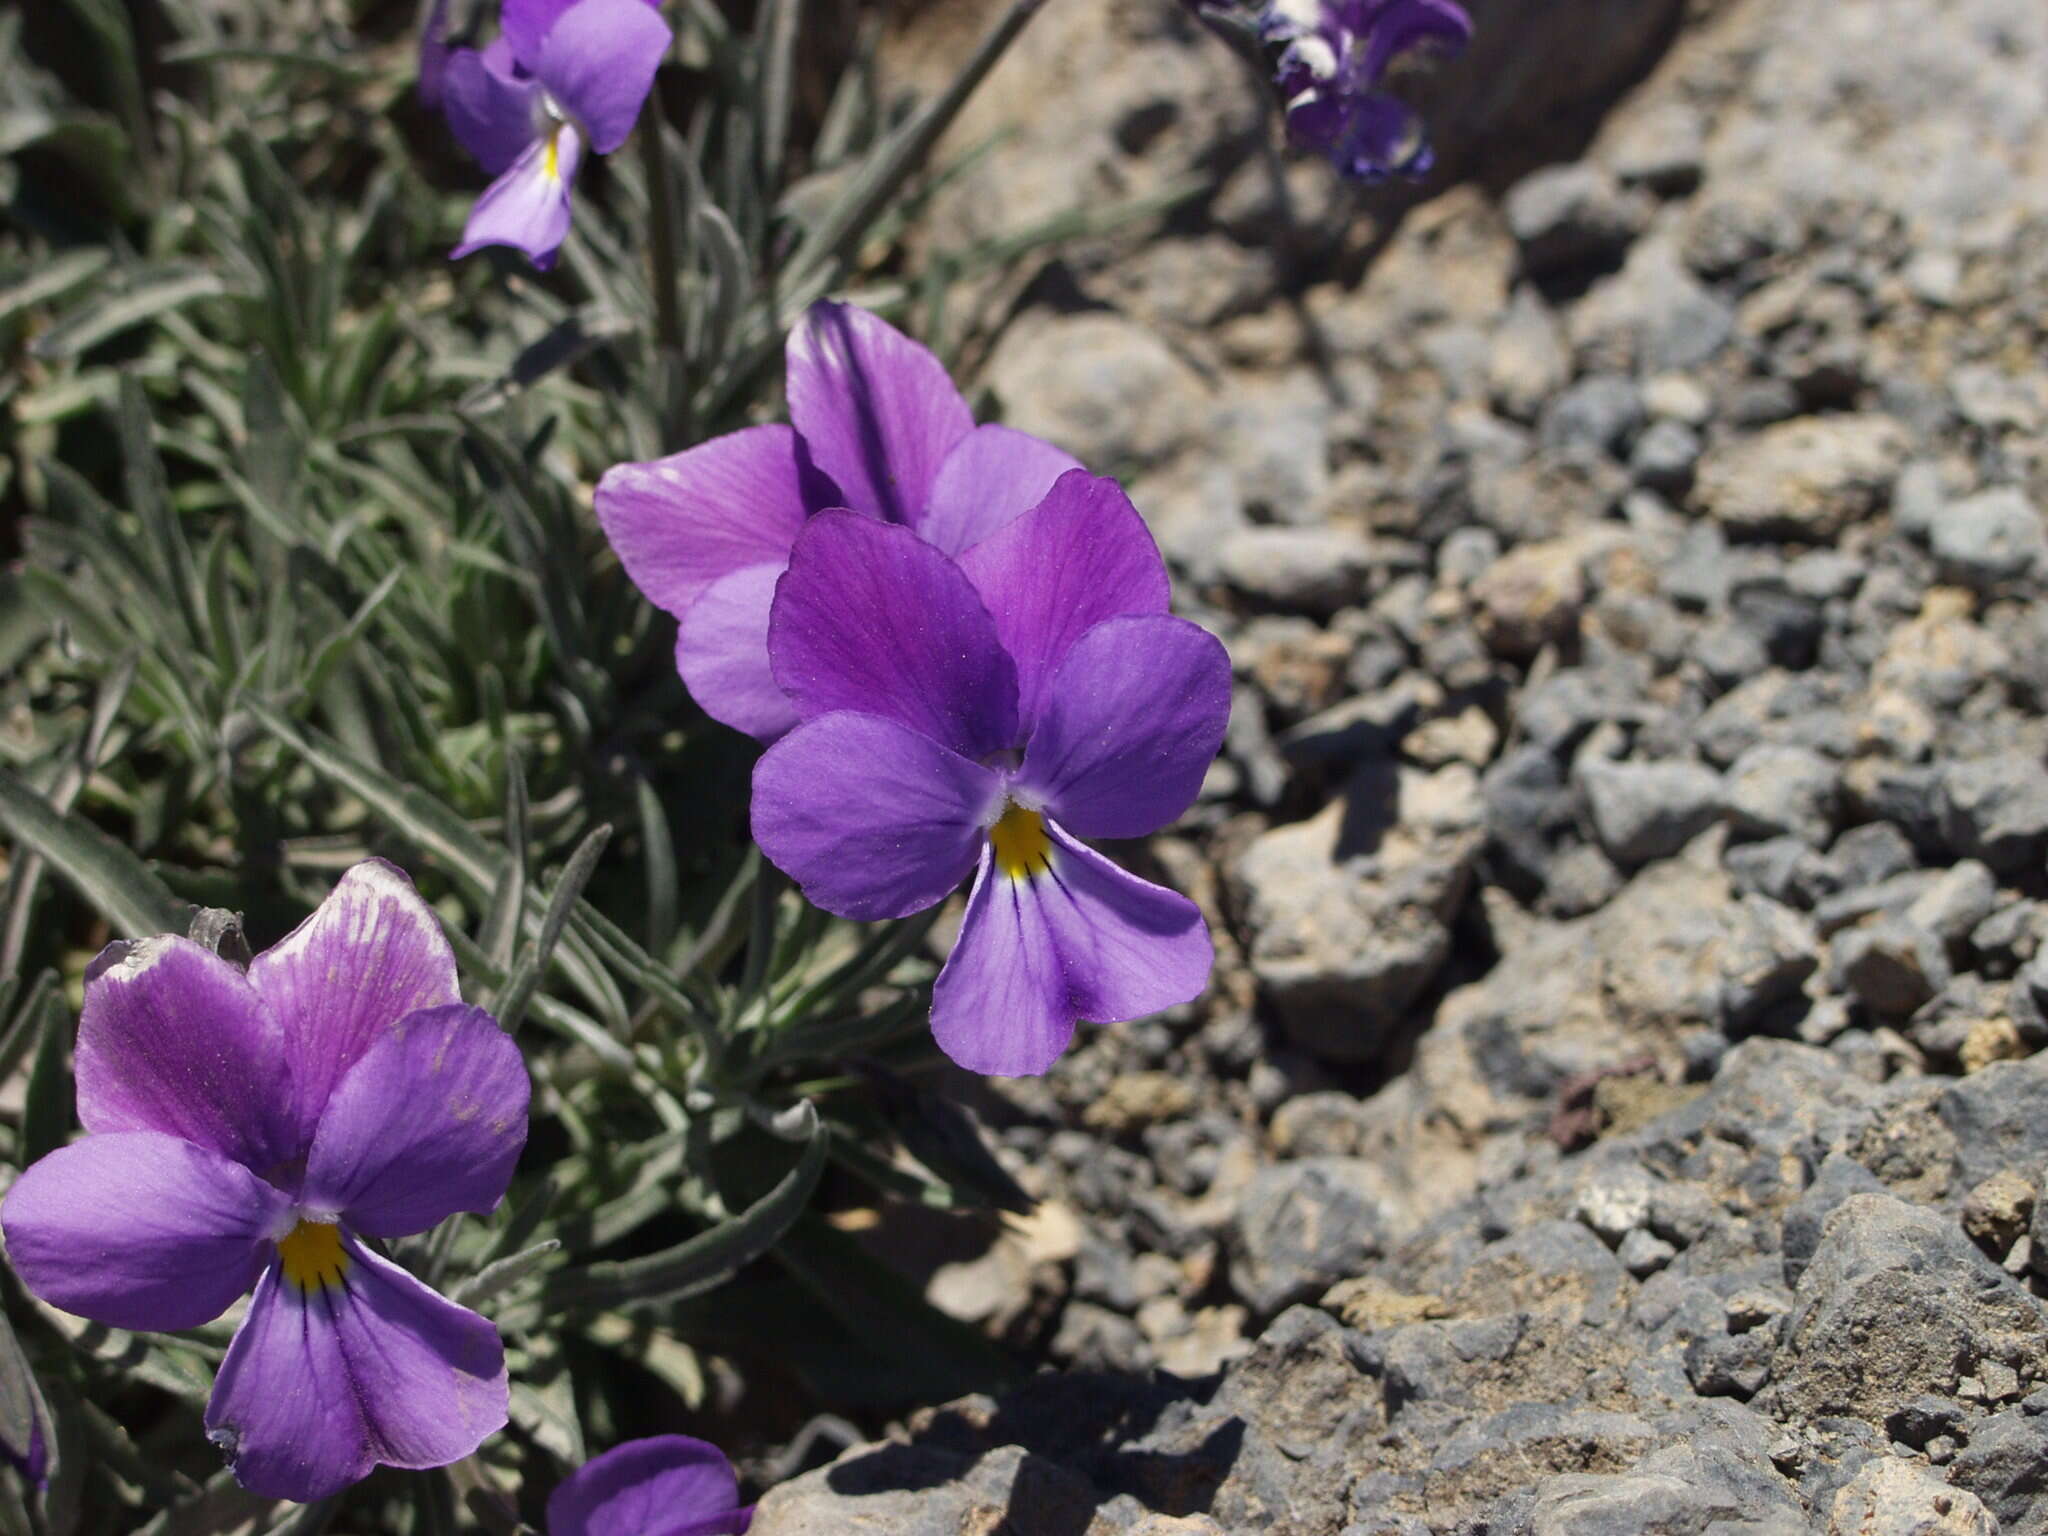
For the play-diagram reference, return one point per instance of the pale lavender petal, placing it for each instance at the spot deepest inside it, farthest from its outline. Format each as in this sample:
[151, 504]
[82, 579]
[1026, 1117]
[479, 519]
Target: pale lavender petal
[670, 1485]
[527, 23]
[992, 475]
[871, 618]
[598, 61]
[722, 654]
[1132, 720]
[1078, 557]
[320, 1386]
[174, 1039]
[527, 208]
[1000, 1005]
[876, 409]
[136, 1229]
[872, 819]
[1130, 948]
[428, 1122]
[368, 956]
[682, 522]
[490, 109]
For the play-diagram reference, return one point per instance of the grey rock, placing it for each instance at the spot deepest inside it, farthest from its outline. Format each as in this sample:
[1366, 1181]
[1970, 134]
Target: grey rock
[1629, 1504]
[1107, 389]
[1895, 1305]
[1350, 911]
[1598, 415]
[1803, 479]
[2005, 1464]
[1870, 853]
[1838, 1178]
[1659, 147]
[922, 1490]
[1890, 965]
[1571, 215]
[1304, 570]
[1734, 1365]
[1645, 811]
[1996, 809]
[1959, 898]
[1769, 952]
[1529, 598]
[1992, 538]
[1918, 499]
[1783, 868]
[1643, 1253]
[1995, 1116]
[1664, 456]
[1302, 1226]
[1528, 362]
[1773, 790]
[1653, 316]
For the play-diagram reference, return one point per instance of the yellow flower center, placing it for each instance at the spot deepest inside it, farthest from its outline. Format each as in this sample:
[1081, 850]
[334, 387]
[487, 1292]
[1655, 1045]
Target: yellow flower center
[1022, 847]
[551, 161]
[312, 1256]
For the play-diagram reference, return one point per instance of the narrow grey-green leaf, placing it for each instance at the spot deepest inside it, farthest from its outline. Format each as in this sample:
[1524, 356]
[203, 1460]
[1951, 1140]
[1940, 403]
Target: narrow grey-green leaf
[124, 890]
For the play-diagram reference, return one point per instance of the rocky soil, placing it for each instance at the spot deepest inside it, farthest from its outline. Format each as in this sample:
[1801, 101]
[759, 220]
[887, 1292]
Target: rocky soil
[1618, 1110]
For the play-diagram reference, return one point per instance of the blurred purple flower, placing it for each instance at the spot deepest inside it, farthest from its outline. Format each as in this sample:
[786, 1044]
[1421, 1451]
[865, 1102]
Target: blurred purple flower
[979, 714]
[253, 1129]
[563, 77]
[670, 1485]
[876, 427]
[1335, 60]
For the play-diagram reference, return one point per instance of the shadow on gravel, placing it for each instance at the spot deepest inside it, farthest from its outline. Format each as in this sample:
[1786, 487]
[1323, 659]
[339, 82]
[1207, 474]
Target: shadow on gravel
[1083, 1440]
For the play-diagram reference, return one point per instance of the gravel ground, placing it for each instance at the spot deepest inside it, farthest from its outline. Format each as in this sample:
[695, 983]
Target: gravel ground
[1618, 1110]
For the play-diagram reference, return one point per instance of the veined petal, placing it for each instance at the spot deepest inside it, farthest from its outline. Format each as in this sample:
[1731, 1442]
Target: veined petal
[323, 1384]
[871, 818]
[370, 954]
[1000, 1004]
[871, 618]
[992, 475]
[1130, 947]
[1131, 721]
[669, 1485]
[489, 107]
[174, 1039]
[682, 522]
[876, 409]
[1081, 555]
[429, 1121]
[141, 1230]
[722, 653]
[598, 61]
[527, 208]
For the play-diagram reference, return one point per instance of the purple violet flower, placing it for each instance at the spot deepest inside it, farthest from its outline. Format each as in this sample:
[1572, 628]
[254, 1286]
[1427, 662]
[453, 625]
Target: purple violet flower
[982, 713]
[670, 1485]
[563, 77]
[876, 427]
[1331, 71]
[255, 1129]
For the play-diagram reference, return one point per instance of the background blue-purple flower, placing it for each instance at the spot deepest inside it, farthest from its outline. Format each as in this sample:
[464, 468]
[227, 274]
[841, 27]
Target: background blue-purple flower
[667, 1485]
[563, 77]
[256, 1129]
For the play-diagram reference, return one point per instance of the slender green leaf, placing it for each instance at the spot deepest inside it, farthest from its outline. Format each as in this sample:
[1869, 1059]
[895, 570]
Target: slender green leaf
[120, 887]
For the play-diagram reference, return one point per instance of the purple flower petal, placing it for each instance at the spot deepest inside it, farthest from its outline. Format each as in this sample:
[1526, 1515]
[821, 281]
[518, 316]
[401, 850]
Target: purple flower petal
[871, 618]
[428, 1122]
[434, 53]
[320, 1386]
[1403, 26]
[368, 956]
[598, 61]
[1000, 1004]
[527, 207]
[1132, 720]
[527, 23]
[992, 475]
[174, 1039]
[722, 654]
[682, 522]
[490, 108]
[872, 819]
[670, 1485]
[1131, 948]
[141, 1230]
[1080, 556]
[876, 409]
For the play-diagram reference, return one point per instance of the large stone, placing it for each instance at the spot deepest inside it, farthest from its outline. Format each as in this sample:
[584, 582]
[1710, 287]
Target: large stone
[1645, 811]
[1109, 392]
[1896, 1305]
[1803, 479]
[1996, 809]
[1893, 1497]
[1349, 912]
[1303, 1226]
